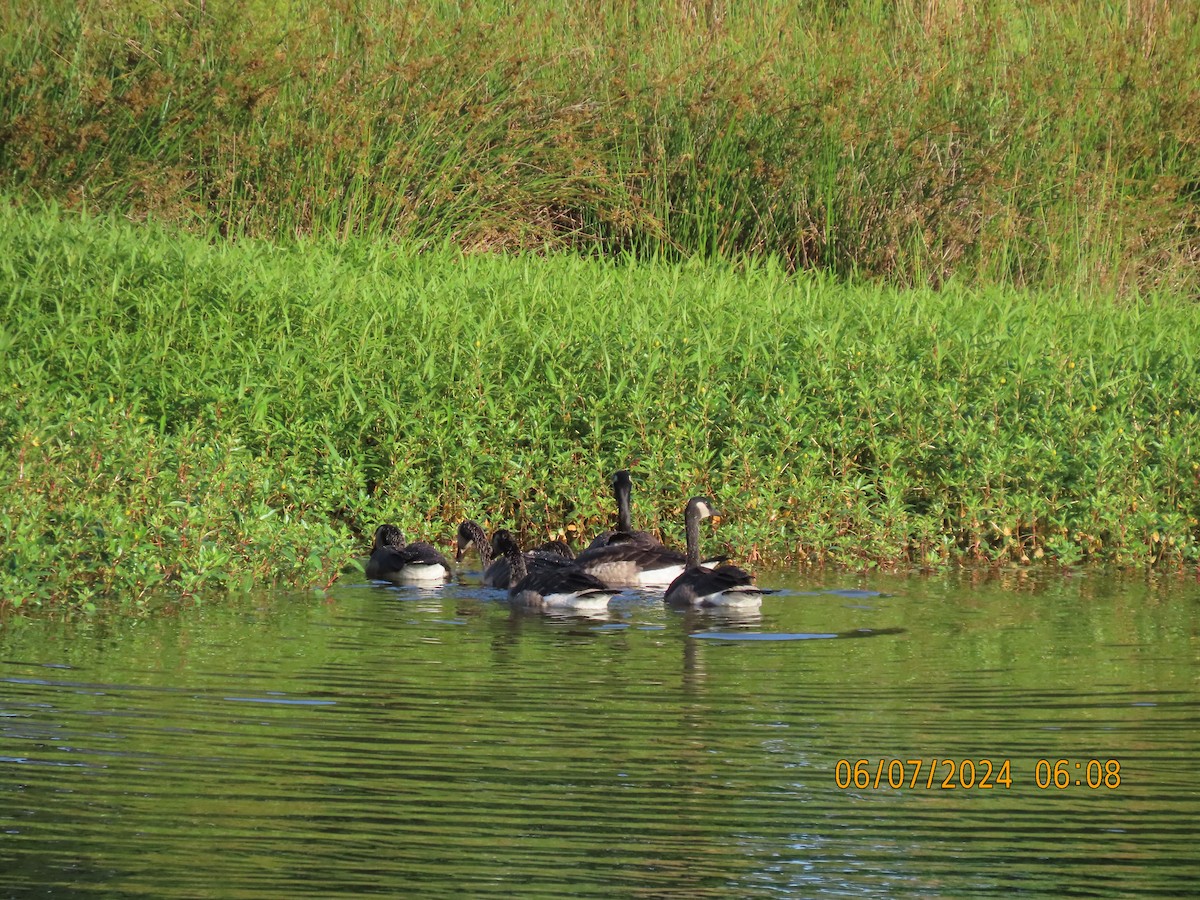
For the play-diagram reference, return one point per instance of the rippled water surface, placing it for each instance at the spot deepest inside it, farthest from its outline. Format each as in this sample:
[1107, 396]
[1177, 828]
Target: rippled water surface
[382, 740]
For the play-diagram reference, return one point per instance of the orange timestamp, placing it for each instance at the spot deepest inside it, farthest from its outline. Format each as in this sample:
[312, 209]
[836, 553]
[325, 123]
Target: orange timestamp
[973, 774]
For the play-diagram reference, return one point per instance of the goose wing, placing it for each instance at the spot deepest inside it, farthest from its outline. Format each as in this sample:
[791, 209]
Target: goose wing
[607, 538]
[632, 564]
[499, 573]
[725, 585]
[565, 586]
[555, 548]
[423, 554]
[627, 549]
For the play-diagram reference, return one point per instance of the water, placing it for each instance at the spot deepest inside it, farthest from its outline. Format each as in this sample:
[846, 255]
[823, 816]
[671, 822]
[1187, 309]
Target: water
[382, 740]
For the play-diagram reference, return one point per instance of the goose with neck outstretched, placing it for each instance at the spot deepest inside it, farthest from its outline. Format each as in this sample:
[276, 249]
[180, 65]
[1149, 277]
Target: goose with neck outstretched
[703, 586]
[565, 588]
[630, 558]
[497, 572]
[394, 559]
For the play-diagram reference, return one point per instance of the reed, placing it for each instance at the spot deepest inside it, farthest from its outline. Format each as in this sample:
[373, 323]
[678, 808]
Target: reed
[210, 415]
[1045, 145]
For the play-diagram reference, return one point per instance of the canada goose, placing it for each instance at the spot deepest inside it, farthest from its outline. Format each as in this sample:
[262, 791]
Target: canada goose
[558, 588]
[496, 571]
[622, 486]
[700, 586]
[394, 560]
[627, 558]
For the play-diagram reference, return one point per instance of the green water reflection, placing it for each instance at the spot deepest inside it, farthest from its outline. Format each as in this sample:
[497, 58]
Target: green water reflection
[386, 740]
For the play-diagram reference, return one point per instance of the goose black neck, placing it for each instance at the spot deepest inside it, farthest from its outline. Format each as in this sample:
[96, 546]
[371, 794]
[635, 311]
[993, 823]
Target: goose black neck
[692, 526]
[470, 533]
[622, 488]
[482, 544]
[516, 560]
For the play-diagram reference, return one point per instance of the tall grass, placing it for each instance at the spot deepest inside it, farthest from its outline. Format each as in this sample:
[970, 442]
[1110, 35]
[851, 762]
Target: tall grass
[206, 415]
[1037, 144]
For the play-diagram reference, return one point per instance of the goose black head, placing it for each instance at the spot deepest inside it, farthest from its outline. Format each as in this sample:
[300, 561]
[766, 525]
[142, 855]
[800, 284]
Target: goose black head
[503, 543]
[701, 508]
[389, 536]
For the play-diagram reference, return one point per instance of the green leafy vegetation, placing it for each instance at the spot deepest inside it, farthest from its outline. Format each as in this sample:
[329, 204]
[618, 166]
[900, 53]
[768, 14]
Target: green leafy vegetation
[208, 415]
[1048, 145]
[899, 283]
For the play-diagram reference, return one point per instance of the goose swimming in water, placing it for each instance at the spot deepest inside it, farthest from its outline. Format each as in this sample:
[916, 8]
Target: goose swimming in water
[628, 558]
[551, 588]
[496, 571]
[392, 559]
[701, 586]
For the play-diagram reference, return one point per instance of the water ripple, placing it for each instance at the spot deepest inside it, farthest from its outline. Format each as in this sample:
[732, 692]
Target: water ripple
[442, 745]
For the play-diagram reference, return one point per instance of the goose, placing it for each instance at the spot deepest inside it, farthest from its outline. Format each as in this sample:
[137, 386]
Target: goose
[701, 586]
[394, 560]
[559, 588]
[630, 558]
[496, 571]
[622, 485]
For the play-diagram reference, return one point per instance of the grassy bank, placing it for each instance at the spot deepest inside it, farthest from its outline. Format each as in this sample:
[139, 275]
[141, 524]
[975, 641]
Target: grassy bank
[214, 415]
[1037, 144]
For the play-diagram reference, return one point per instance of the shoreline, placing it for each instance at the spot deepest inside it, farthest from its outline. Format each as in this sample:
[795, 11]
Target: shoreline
[218, 415]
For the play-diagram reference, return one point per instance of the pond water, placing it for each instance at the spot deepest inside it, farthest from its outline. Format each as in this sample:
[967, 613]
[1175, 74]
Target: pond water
[407, 742]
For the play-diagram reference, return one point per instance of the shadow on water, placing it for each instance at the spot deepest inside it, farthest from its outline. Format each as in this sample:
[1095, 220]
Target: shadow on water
[786, 636]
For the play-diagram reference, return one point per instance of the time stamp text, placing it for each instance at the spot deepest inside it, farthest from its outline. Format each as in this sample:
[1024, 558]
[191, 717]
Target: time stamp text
[976, 774]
